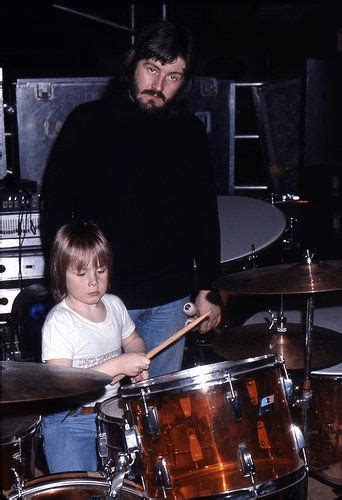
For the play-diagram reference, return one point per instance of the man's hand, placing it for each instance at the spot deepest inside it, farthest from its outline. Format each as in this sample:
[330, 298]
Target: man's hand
[208, 301]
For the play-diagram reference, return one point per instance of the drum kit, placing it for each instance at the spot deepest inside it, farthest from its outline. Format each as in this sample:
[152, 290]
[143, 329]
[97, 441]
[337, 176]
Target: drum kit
[221, 430]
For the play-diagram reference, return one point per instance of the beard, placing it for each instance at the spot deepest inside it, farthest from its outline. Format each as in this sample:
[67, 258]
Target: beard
[150, 106]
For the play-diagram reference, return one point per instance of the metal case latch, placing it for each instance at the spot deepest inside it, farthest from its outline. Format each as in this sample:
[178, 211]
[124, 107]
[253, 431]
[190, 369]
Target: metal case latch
[44, 91]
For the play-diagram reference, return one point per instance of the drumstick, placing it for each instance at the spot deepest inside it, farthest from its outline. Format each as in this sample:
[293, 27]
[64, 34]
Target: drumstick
[168, 341]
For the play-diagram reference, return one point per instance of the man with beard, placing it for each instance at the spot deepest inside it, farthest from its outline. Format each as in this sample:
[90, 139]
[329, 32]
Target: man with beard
[138, 165]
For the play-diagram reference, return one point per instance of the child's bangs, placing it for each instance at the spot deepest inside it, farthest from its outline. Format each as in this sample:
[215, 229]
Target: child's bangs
[81, 258]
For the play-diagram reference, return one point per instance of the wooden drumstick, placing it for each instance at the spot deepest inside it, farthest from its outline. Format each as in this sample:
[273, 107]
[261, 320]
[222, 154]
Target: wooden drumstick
[150, 354]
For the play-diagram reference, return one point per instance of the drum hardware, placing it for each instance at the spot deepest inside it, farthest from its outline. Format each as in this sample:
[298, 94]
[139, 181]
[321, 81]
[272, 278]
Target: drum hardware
[233, 402]
[121, 468]
[73, 485]
[246, 463]
[163, 475]
[300, 443]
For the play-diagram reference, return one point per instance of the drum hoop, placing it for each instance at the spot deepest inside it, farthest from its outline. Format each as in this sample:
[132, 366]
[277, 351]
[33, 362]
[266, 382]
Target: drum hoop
[61, 482]
[336, 377]
[215, 374]
[28, 432]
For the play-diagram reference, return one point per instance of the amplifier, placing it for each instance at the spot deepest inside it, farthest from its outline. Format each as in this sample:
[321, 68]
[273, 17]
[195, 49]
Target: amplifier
[32, 266]
[7, 297]
[20, 229]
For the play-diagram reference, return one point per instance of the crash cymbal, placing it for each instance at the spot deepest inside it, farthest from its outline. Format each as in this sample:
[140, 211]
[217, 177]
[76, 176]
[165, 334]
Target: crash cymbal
[22, 382]
[285, 279]
[250, 341]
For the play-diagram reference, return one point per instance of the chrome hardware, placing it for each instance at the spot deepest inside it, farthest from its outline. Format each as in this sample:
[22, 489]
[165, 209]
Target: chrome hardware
[288, 389]
[246, 462]
[162, 473]
[19, 484]
[102, 445]
[233, 402]
[132, 438]
[152, 421]
[234, 407]
[121, 470]
[17, 455]
[300, 442]
[308, 256]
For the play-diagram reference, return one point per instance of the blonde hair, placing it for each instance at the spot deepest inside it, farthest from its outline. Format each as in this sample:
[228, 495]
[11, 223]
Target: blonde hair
[77, 244]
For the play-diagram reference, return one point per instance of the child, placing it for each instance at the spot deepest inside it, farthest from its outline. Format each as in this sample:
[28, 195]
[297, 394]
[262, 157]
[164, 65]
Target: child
[88, 328]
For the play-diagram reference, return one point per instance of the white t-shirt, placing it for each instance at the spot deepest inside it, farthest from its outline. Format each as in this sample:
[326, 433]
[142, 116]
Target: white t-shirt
[67, 334]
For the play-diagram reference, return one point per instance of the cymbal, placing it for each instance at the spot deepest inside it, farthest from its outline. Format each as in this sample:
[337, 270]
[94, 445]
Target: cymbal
[22, 382]
[250, 341]
[293, 278]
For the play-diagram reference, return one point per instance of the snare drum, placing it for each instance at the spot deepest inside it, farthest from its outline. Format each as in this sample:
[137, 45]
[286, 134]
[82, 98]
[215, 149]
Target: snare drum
[17, 448]
[111, 429]
[218, 429]
[72, 486]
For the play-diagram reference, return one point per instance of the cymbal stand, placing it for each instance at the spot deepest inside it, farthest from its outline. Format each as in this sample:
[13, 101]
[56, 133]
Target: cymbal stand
[307, 391]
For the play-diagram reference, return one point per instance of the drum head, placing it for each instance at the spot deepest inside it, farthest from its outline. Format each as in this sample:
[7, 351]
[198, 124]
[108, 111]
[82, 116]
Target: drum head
[13, 428]
[247, 222]
[200, 376]
[112, 408]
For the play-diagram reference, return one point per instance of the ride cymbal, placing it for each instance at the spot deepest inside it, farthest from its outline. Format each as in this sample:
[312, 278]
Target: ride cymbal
[284, 279]
[22, 382]
[250, 341]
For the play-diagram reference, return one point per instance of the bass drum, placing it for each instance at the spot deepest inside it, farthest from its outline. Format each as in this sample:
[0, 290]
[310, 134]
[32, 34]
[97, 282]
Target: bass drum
[74, 486]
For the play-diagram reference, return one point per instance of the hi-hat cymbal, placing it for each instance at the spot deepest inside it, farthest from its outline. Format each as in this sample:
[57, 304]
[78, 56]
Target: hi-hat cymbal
[22, 382]
[250, 341]
[284, 279]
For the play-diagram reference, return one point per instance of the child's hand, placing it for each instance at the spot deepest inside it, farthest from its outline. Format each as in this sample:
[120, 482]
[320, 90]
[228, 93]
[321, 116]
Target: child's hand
[142, 376]
[133, 363]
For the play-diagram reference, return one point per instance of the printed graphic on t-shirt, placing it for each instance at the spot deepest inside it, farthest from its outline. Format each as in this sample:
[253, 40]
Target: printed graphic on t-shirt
[95, 360]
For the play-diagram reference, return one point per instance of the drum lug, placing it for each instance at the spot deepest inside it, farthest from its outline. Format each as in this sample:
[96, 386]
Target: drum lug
[233, 402]
[102, 445]
[300, 442]
[132, 440]
[234, 407]
[246, 462]
[152, 421]
[163, 476]
[288, 389]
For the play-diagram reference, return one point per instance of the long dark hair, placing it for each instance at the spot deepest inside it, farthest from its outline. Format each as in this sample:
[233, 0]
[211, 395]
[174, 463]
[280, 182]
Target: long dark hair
[163, 41]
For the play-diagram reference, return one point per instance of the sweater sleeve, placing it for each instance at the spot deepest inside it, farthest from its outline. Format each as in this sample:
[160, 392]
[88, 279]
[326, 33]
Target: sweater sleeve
[207, 239]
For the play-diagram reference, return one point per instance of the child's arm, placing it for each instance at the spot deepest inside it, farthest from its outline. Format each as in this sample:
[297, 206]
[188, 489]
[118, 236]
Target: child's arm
[132, 363]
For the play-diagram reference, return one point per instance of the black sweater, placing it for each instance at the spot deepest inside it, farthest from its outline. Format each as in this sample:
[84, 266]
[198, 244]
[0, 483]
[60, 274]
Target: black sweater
[147, 181]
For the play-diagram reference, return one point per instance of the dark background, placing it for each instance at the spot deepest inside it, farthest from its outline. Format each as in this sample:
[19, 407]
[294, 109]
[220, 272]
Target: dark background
[237, 39]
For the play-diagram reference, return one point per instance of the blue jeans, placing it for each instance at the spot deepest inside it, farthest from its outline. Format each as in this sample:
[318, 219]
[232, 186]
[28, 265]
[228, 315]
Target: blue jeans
[70, 445]
[156, 324]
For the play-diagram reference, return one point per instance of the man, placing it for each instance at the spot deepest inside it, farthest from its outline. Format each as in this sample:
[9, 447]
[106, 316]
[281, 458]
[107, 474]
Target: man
[139, 166]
